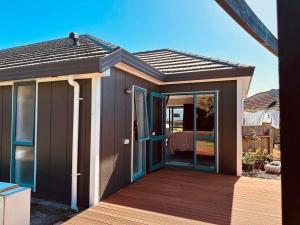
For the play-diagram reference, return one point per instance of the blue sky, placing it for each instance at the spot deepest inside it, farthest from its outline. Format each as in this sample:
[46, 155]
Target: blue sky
[197, 26]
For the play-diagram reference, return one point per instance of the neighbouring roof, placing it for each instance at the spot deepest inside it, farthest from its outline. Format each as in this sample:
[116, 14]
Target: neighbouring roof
[170, 61]
[261, 101]
[55, 51]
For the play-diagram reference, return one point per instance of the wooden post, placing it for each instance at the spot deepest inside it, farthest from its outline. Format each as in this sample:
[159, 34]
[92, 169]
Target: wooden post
[246, 18]
[289, 78]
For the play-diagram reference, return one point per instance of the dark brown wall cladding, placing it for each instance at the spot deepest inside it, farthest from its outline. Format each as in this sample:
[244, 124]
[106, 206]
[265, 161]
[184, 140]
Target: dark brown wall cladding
[5, 132]
[115, 157]
[54, 141]
[227, 118]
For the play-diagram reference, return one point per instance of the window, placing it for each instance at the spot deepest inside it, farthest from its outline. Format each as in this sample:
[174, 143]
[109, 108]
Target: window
[25, 99]
[141, 116]
[23, 149]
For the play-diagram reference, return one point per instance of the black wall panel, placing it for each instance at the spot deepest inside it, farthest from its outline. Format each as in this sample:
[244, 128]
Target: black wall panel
[5, 132]
[54, 141]
[115, 158]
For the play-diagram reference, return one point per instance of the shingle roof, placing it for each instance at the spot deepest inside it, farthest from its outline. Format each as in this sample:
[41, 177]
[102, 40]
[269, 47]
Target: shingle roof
[55, 51]
[61, 57]
[262, 100]
[170, 61]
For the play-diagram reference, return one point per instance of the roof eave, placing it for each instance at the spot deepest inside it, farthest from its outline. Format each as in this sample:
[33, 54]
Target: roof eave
[52, 69]
[122, 55]
[213, 74]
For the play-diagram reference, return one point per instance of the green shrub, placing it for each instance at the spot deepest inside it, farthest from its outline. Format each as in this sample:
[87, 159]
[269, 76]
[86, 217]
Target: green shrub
[256, 157]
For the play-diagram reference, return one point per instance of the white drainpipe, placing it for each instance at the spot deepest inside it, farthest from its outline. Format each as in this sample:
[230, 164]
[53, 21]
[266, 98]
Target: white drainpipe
[75, 141]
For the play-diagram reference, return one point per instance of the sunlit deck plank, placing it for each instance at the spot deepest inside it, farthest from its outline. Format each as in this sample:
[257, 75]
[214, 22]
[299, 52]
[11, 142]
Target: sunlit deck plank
[172, 196]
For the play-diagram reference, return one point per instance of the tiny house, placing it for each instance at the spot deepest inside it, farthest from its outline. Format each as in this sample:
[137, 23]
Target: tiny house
[81, 118]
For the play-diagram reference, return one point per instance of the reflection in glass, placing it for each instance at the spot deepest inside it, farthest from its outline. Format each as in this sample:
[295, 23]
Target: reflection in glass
[205, 130]
[140, 133]
[138, 150]
[141, 119]
[25, 113]
[158, 116]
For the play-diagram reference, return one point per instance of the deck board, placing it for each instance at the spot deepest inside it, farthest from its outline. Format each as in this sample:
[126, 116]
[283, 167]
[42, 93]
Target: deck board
[174, 196]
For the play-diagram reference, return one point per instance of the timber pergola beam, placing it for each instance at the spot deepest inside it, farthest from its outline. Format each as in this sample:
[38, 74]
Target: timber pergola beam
[247, 19]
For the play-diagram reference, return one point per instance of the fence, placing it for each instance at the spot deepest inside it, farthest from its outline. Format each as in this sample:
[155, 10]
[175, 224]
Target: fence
[263, 137]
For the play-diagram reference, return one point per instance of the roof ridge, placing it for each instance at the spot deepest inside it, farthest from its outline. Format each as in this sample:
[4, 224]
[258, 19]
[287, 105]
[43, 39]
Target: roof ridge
[104, 44]
[263, 92]
[217, 60]
[149, 51]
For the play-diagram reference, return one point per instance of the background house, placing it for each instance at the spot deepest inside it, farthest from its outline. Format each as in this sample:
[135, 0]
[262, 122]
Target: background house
[261, 119]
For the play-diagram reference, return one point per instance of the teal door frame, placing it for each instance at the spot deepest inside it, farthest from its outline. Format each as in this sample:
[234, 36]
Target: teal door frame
[216, 136]
[142, 139]
[156, 138]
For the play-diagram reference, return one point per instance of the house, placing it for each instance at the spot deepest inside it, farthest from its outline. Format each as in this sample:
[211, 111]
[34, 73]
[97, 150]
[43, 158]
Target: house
[262, 108]
[261, 120]
[81, 118]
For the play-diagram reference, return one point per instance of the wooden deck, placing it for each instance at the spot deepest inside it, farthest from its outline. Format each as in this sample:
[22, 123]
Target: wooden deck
[173, 196]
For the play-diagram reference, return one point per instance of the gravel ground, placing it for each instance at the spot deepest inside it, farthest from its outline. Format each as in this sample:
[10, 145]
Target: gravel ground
[48, 213]
[262, 174]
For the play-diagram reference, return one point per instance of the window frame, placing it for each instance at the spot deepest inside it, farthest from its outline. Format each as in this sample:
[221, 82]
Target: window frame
[171, 117]
[146, 120]
[15, 94]
[14, 142]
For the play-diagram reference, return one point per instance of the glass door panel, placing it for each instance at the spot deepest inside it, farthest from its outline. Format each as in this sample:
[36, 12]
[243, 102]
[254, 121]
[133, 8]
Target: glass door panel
[180, 133]
[140, 132]
[205, 131]
[157, 128]
[157, 152]
[139, 149]
[157, 116]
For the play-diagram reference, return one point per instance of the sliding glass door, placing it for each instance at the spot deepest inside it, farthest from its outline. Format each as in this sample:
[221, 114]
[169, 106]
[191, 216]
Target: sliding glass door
[23, 149]
[140, 132]
[205, 131]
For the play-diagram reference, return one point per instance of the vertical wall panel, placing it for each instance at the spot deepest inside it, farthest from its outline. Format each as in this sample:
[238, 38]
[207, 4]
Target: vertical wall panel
[54, 141]
[59, 142]
[43, 139]
[122, 171]
[229, 120]
[2, 153]
[107, 134]
[84, 142]
[5, 131]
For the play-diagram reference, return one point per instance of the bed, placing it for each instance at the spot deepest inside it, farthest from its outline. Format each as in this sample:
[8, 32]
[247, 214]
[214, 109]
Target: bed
[184, 142]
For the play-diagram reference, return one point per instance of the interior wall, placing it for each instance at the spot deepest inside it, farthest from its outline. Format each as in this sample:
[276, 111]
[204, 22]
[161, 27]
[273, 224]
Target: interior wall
[54, 141]
[227, 118]
[115, 156]
[5, 132]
